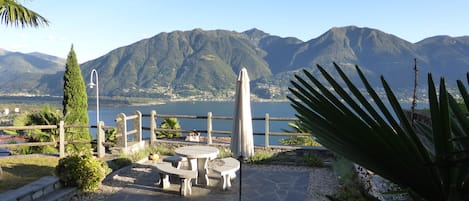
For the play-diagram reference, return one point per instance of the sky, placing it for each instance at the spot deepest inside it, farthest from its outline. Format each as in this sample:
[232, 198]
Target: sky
[96, 27]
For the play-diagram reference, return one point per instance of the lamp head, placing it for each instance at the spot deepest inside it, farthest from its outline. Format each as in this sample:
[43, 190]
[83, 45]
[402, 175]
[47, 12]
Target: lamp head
[91, 84]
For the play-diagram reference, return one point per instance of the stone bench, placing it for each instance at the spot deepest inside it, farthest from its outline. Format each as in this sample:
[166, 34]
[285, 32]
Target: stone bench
[175, 160]
[185, 176]
[227, 171]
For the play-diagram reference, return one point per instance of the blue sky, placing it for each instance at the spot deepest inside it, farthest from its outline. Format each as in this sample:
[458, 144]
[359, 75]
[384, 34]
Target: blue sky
[96, 27]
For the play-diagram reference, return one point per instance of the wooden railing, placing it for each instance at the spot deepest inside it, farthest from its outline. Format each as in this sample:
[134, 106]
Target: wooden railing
[209, 118]
[61, 143]
[135, 133]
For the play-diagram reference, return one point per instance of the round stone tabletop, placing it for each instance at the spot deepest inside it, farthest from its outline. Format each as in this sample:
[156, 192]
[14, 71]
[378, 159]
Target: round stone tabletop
[197, 151]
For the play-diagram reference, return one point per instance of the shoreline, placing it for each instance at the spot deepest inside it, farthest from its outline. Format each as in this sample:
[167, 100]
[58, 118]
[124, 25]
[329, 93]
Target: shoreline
[113, 101]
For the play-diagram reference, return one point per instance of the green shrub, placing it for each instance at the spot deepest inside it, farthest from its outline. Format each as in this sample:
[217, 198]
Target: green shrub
[110, 139]
[83, 171]
[298, 127]
[225, 152]
[119, 163]
[313, 161]
[138, 155]
[111, 136]
[67, 170]
[261, 157]
[163, 150]
[300, 141]
[169, 123]
[143, 153]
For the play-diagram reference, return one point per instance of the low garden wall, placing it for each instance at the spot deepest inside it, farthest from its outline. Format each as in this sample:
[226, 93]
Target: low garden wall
[379, 187]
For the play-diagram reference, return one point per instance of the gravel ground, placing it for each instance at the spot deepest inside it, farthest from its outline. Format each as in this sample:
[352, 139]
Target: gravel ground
[322, 181]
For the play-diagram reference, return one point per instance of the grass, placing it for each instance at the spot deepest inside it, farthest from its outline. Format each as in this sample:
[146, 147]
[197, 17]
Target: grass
[261, 157]
[19, 171]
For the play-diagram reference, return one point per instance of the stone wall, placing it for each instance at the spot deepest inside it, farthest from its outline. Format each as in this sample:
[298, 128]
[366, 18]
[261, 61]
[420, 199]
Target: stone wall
[380, 187]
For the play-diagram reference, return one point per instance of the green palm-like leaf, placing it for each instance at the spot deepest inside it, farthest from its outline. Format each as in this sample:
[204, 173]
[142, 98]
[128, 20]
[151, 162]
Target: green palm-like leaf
[429, 160]
[13, 13]
[170, 123]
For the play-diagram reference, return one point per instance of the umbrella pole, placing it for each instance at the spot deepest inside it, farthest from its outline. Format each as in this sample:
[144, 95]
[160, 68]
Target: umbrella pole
[240, 175]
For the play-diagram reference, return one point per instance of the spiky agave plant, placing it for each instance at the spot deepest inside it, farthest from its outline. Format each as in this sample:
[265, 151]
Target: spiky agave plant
[432, 162]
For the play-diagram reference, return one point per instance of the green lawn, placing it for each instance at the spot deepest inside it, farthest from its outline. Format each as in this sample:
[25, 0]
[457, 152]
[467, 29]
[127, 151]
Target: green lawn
[19, 171]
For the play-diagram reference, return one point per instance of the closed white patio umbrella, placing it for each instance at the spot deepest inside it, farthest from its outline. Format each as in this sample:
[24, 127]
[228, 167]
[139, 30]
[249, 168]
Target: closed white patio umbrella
[242, 140]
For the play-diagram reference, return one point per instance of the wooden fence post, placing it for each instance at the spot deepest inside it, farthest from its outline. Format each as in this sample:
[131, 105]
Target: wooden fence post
[152, 127]
[100, 140]
[209, 128]
[121, 124]
[61, 139]
[266, 129]
[137, 125]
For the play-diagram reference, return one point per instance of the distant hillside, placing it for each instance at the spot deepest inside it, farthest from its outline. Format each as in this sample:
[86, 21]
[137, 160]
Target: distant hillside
[204, 64]
[23, 73]
[190, 63]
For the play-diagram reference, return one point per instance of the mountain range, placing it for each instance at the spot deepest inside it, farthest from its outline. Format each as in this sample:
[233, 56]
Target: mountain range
[204, 64]
[22, 73]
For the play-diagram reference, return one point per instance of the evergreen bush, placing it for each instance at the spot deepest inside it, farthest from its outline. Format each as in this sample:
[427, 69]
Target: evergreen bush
[83, 171]
[75, 105]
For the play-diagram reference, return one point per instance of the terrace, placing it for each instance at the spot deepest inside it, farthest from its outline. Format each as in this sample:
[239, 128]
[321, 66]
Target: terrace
[286, 158]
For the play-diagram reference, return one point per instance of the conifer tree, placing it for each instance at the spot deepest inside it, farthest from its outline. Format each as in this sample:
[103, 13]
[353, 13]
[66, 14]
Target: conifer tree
[75, 104]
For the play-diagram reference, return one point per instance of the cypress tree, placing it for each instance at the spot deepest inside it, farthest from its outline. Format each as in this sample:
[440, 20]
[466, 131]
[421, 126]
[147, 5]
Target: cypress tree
[75, 104]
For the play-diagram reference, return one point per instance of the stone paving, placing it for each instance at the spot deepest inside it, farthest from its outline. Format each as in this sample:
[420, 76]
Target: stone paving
[259, 184]
[270, 183]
